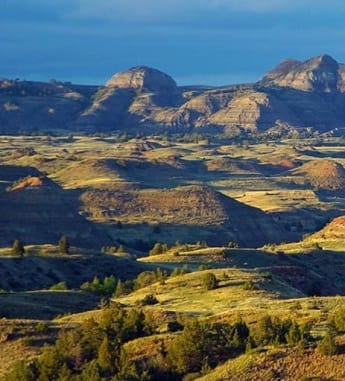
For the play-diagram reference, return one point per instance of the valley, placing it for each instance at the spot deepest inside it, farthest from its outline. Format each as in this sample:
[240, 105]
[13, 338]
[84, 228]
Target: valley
[150, 231]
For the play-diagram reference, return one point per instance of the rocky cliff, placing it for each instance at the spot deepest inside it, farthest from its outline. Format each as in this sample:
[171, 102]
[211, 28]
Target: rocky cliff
[292, 97]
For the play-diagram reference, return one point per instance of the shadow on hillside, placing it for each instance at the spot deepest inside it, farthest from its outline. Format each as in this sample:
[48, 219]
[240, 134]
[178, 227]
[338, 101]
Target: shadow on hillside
[42, 214]
[41, 272]
[301, 221]
[142, 236]
[45, 304]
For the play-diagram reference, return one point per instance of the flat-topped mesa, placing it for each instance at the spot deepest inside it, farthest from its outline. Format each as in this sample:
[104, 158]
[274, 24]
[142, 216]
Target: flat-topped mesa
[143, 78]
[321, 73]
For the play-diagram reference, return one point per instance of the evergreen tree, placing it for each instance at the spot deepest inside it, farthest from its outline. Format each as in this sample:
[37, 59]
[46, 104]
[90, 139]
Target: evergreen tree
[119, 289]
[210, 281]
[18, 248]
[22, 372]
[158, 248]
[91, 372]
[104, 355]
[338, 319]
[120, 249]
[327, 346]
[64, 245]
[294, 334]
[109, 285]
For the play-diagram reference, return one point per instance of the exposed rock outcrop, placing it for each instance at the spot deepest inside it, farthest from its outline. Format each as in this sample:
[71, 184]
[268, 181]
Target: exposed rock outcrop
[143, 78]
[321, 73]
[295, 96]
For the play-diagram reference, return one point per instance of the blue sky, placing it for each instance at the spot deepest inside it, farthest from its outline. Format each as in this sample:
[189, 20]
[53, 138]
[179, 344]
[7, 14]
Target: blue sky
[195, 41]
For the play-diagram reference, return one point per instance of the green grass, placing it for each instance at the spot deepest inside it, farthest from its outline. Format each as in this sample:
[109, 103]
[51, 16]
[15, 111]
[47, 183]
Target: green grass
[187, 294]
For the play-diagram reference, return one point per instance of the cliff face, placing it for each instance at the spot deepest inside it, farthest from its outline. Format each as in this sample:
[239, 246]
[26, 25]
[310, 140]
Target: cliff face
[294, 95]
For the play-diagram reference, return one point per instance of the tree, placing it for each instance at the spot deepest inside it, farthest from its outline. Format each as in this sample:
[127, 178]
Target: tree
[63, 245]
[294, 334]
[210, 281]
[105, 360]
[109, 285]
[158, 248]
[18, 248]
[23, 372]
[338, 319]
[327, 346]
[120, 249]
[119, 289]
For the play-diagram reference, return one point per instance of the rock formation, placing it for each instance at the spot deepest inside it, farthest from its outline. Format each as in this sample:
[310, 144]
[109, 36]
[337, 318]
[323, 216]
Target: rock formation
[295, 96]
[321, 73]
[143, 78]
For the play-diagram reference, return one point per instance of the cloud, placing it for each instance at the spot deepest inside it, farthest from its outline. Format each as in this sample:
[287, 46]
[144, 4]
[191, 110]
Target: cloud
[154, 10]
[212, 39]
[236, 14]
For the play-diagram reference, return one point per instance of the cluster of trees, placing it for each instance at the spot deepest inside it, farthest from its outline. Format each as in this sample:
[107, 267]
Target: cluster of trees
[95, 351]
[161, 248]
[110, 286]
[113, 249]
[18, 248]
[105, 287]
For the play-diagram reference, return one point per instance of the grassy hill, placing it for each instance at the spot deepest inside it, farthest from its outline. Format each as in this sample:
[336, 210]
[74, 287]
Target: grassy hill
[112, 190]
[323, 174]
[193, 206]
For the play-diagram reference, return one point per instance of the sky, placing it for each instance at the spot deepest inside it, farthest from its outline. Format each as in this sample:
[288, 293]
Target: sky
[214, 42]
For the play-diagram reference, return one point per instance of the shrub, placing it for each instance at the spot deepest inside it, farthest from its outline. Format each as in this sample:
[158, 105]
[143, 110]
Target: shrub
[42, 327]
[174, 326]
[327, 346]
[61, 286]
[249, 285]
[149, 300]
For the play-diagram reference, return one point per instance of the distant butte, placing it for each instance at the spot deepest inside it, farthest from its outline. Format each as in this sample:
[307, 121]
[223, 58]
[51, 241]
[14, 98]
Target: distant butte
[292, 99]
[143, 78]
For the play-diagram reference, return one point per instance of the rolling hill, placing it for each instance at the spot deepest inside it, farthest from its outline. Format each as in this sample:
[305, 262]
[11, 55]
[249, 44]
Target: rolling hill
[194, 206]
[41, 213]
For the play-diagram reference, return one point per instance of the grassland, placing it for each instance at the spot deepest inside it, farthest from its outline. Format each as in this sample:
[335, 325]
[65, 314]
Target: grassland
[130, 191]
